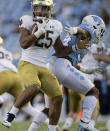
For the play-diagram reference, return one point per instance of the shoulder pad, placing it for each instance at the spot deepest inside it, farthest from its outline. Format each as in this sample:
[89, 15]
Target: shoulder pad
[26, 22]
[58, 26]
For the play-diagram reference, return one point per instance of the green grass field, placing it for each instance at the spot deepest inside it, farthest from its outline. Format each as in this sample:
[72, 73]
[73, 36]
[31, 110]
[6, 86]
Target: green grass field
[23, 126]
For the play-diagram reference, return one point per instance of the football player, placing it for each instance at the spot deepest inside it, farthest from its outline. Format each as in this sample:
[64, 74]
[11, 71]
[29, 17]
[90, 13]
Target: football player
[92, 68]
[9, 80]
[70, 77]
[96, 28]
[38, 33]
[104, 59]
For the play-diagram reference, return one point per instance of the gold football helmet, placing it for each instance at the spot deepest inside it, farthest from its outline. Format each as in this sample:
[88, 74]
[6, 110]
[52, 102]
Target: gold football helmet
[42, 8]
[1, 41]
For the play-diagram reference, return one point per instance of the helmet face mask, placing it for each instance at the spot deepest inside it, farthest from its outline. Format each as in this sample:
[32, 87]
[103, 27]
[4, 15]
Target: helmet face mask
[42, 11]
[42, 8]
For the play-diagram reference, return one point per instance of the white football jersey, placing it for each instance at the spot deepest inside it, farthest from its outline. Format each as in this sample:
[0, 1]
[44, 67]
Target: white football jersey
[88, 62]
[37, 53]
[6, 60]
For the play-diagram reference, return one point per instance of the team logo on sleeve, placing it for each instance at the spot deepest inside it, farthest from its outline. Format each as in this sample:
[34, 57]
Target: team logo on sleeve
[20, 22]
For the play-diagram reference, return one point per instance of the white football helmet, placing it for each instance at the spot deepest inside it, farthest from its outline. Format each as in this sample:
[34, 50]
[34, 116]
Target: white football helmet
[42, 8]
[1, 41]
[95, 26]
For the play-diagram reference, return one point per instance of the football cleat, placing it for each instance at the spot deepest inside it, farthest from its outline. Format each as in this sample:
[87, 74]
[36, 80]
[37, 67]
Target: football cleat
[58, 128]
[8, 120]
[65, 130]
[81, 128]
[86, 127]
[65, 127]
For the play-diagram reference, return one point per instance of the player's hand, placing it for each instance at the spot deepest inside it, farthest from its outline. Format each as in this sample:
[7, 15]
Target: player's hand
[38, 32]
[100, 70]
[76, 31]
[97, 56]
[71, 30]
[83, 44]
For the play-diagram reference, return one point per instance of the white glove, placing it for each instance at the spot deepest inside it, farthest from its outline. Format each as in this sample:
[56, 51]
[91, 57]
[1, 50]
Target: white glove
[39, 32]
[41, 28]
[94, 70]
[100, 70]
[71, 30]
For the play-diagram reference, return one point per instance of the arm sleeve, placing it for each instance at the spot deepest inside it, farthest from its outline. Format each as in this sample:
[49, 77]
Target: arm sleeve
[26, 22]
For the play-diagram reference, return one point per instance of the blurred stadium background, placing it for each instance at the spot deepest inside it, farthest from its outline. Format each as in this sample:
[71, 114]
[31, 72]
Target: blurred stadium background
[67, 11]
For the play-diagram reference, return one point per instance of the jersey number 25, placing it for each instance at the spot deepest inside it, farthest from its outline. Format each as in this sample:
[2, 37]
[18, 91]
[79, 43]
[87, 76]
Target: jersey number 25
[48, 38]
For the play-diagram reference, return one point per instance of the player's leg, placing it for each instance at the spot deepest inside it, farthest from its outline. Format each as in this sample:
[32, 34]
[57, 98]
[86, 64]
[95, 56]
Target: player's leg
[42, 116]
[95, 115]
[54, 92]
[86, 113]
[51, 87]
[74, 101]
[31, 80]
[5, 82]
[77, 81]
[80, 83]
[17, 88]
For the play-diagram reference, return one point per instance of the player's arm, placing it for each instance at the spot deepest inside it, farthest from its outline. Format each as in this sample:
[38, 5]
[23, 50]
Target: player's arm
[90, 71]
[27, 38]
[102, 57]
[62, 50]
[83, 69]
[77, 31]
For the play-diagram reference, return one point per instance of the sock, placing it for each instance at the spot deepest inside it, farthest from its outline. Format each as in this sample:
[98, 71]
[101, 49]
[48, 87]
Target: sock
[30, 110]
[88, 108]
[34, 126]
[52, 127]
[38, 120]
[14, 110]
[68, 123]
[47, 121]
[92, 123]
[1, 100]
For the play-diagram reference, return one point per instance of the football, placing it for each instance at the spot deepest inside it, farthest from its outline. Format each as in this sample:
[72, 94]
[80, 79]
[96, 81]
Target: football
[34, 28]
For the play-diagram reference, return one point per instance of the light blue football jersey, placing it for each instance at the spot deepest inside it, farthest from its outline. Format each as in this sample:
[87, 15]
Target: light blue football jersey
[75, 56]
